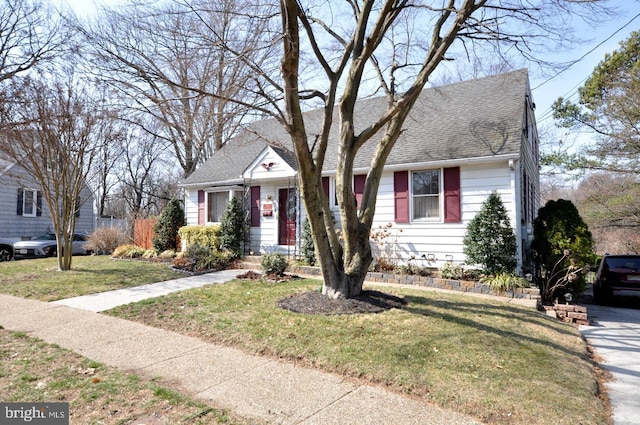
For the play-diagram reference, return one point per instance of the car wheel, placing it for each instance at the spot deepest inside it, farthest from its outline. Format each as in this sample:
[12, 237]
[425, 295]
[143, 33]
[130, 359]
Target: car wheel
[5, 254]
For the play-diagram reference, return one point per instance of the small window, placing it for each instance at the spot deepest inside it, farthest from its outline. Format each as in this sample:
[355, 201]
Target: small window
[217, 204]
[29, 203]
[426, 194]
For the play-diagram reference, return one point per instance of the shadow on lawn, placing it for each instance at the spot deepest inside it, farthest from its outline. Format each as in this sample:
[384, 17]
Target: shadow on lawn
[446, 310]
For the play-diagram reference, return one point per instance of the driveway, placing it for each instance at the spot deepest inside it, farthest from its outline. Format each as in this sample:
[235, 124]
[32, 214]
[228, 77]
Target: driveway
[614, 333]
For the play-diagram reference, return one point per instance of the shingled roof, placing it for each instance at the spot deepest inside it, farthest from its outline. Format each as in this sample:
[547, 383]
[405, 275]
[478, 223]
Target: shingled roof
[472, 119]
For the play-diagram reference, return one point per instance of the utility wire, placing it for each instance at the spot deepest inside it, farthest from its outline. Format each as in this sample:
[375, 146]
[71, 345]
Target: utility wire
[572, 92]
[588, 53]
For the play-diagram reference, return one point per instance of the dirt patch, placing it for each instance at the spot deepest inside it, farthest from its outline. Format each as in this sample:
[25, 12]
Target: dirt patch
[269, 278]
[314, 302]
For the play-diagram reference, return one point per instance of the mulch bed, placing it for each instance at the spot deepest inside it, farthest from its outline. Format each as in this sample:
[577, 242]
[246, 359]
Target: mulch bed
[314, 302]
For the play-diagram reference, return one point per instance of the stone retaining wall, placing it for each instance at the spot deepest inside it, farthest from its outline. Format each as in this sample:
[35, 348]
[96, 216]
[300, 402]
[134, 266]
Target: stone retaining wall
[431, 282]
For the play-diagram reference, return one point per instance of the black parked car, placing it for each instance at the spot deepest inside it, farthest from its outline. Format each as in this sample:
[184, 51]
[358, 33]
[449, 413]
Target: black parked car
[616, 273]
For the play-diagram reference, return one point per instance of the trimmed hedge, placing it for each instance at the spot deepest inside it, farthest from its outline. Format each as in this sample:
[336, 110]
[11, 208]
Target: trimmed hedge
[207, 236]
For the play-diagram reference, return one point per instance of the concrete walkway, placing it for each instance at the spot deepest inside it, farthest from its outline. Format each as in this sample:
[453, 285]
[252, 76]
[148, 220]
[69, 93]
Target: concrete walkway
[615, 335]
[253, 387]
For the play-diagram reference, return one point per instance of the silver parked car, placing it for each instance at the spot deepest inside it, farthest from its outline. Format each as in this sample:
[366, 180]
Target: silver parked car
[6, 250]
[45, 246]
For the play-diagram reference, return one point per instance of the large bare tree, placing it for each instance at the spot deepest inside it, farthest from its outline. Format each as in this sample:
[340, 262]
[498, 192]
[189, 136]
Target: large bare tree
[50, 127]
[166, 59]
[31, 34]
[403, 43]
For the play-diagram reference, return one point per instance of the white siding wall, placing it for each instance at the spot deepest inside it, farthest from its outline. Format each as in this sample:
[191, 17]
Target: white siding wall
[191, 206]
[439, 240]
[422, 240]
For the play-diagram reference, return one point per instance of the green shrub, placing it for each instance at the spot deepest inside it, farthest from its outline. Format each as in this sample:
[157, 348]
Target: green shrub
[166, 229]
[128, 251]
[233, 229]
[197, 252]
[451, 271]
[216, 260]
[562, 244]
[274, 263]
[490, 240]
[208, 236]
[503, 282]
[200, 258]
[307, 249]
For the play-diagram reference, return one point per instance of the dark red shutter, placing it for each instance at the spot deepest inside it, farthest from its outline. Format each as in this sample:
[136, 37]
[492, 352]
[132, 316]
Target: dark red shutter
[452, 213]
[255, 206]
[201, 207]
[401, 196]
[358, 187]
[325, 186]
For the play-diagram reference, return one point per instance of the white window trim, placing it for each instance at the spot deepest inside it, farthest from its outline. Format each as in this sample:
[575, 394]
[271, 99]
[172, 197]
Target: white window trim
[440, 218]
[34, 211]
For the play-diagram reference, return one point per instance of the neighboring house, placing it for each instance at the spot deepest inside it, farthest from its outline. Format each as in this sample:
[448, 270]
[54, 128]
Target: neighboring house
[23, 212]
[461, 142]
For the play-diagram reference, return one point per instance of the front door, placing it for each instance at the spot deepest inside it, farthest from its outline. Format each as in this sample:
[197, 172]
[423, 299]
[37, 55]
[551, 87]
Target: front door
[287, 213]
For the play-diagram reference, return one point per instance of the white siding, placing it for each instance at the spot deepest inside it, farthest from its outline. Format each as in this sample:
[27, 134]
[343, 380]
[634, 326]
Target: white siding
[442, 241]
[419, 240]
[191, 206]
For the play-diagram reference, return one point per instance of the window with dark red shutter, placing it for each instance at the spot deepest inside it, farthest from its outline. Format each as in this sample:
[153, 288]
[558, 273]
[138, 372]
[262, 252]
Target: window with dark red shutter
[325, 186]
[358, 187]
[201, 207]
[255, 206]
[401, 196]
[452, 211]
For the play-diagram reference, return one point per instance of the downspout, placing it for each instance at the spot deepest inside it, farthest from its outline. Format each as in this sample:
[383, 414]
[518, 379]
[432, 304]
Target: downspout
[516, 191]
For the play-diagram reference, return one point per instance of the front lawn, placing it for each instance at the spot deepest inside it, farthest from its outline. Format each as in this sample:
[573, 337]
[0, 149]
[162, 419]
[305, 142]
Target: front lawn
[498, 362]
[39, 278]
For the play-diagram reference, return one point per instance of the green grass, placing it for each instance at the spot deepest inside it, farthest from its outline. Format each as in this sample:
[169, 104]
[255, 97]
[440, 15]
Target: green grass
[495, 361]
[33, 371]
[40, 279]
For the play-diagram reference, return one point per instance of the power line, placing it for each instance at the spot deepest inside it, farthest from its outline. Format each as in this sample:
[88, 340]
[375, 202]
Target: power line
[588, 53]
[548, 112]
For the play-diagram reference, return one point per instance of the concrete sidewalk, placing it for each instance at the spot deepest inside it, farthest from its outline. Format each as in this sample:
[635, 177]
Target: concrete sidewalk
[251, 386]
[104, 301]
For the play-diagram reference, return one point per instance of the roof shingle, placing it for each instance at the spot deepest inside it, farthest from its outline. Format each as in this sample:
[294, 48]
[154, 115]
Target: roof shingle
[471, 119]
